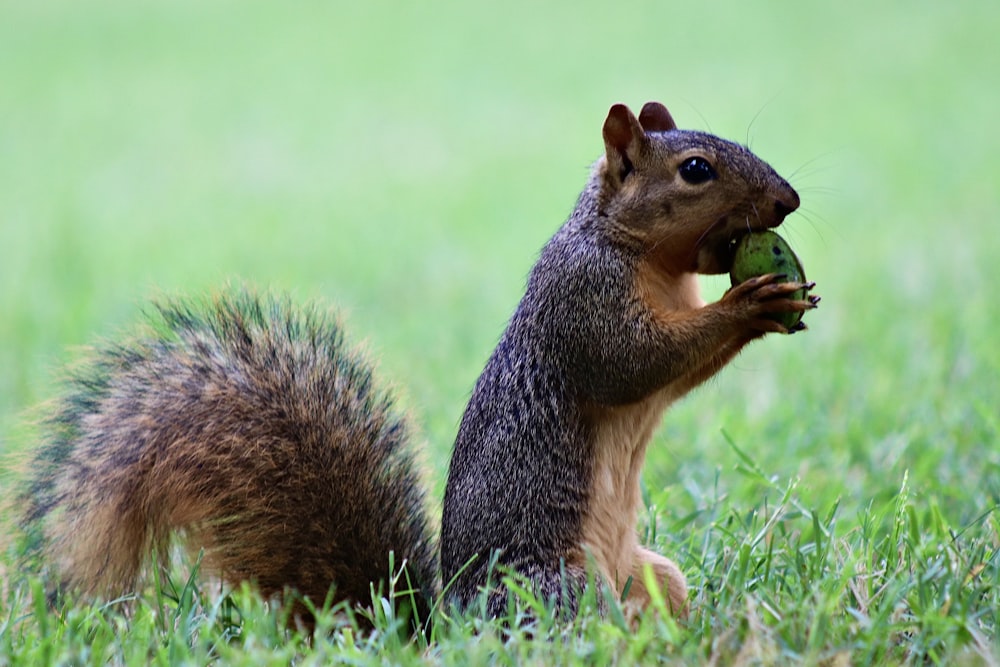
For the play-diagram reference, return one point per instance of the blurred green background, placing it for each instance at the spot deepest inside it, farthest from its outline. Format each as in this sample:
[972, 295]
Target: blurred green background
[404, 161]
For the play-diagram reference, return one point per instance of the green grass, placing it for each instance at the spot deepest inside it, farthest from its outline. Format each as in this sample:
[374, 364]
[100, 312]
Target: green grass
[831, 496]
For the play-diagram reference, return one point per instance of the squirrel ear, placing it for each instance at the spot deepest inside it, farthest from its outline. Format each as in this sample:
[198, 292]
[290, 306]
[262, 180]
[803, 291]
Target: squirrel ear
[654, 117]
[623, 139]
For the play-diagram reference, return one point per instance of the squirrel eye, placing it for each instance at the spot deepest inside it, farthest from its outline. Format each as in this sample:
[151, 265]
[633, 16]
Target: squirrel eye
[695, 170]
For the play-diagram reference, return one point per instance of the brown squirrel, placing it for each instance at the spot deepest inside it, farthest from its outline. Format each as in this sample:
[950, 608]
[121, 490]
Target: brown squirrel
[247, 424]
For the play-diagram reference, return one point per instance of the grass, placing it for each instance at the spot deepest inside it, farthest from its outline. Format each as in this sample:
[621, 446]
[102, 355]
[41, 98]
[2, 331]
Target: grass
[832, 496]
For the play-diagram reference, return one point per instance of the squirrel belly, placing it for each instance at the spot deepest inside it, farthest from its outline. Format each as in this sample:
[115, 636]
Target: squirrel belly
[251, 429]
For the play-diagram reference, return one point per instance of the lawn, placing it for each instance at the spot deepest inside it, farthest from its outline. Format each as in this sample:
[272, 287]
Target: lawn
[831, 496]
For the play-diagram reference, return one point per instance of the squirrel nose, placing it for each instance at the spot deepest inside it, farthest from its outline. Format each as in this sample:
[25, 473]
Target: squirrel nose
[782, 207]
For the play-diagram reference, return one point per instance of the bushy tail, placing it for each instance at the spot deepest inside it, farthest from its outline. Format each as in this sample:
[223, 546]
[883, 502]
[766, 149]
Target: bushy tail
[249, 427]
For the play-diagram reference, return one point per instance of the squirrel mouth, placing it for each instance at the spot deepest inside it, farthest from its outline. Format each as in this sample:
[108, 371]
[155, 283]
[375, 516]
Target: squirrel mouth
[729, 252]
[714, 256]
[726, 250]
[717, 251]
[722, 243]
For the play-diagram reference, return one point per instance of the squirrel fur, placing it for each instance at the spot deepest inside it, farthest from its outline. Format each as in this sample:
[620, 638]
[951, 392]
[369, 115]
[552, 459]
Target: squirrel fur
[248, 426]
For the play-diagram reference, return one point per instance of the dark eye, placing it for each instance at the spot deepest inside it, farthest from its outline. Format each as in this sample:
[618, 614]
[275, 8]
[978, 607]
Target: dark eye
[697, 170]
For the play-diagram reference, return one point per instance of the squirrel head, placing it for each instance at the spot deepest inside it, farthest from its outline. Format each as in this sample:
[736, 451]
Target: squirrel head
[684, 197]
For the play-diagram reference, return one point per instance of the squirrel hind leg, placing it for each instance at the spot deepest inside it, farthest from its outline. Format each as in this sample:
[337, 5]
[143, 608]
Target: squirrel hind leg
[666, 575]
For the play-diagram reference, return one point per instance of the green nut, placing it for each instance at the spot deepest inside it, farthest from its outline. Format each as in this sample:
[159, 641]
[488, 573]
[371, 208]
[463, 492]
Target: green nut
[760, 253]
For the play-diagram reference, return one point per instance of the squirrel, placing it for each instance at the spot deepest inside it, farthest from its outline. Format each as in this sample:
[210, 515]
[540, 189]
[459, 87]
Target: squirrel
[251, 428]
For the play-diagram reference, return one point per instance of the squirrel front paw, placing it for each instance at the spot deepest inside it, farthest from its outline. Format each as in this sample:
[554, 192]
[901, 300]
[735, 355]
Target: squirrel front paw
[767, 303]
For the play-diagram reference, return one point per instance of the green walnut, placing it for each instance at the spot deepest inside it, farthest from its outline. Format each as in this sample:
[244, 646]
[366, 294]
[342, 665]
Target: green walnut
[759, 253]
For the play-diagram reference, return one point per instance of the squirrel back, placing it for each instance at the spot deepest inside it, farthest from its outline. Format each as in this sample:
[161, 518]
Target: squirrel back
[250, 426]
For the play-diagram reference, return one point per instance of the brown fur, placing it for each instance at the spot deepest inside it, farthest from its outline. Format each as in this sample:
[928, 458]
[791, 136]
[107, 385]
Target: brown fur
[610, 331]
[249, 428]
